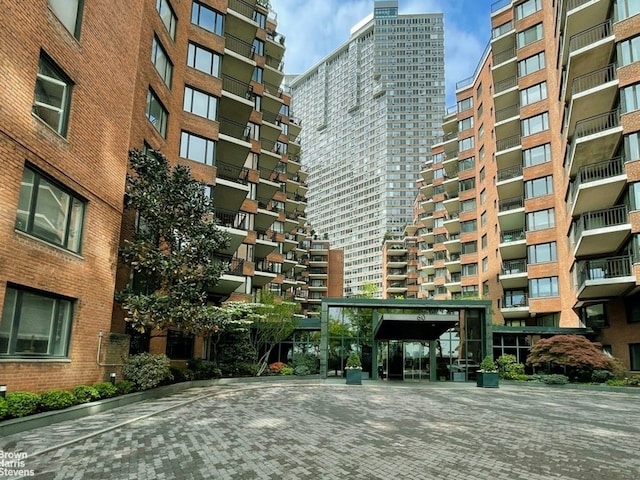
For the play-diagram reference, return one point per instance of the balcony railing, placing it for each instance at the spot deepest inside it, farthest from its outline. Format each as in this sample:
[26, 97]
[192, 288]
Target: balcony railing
[512, 203]
[603, 268]
[508, 112]
[228, 171]
[510, 172]
[572, 4]
[499, 4]
[274, 62]
[515, 300]
[598, 123]
[231, 219]
[270, 117]
[505, 84]
[598, 171]
[241, 7]
[515, 235]
[274, 90]
[512, 267]
[236, 87]
[502, 29]
[234, 129]
[509, 142]
[239, 46]
[504, 55]
[593, 79]
[592, 35]
[607, 217]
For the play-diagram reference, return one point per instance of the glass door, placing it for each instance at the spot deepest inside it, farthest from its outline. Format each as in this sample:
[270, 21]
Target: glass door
[416, 361]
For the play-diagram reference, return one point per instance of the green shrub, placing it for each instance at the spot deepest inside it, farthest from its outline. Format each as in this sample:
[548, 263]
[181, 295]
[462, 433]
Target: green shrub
[601, 376]
[286, 371]
[125, 386]
[147, 371]
[180, 375]
[85, 394]
[106, 389]
[247, 369]
[616, 382]
[555, 379]
[203, 369]
[4, 408]
[521, 377]
[56, 400]
[634, 380]
[301, 370]
[21, 404]
[308, 360]
[488, 365]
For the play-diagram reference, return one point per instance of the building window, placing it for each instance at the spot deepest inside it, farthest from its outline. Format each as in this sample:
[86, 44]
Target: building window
[531, 64]
[156, 113]
[207, 18]
[483, 196]
[465, 104]
[484, 241]
[466, 144]
[538, 187]
[594, 315]
[537, 155]
[257, 75]
[179, 345]
[541, 219]
[69, 12]
[542, 253]
[527, 8]
[469, 269]
[485, 265]
[469, 226]
[528, 36]
[203, 59]
[632, 147]
[260, 18]
[548, 320]
[625, 9]
[630, 97]
[198, 149]
[200, 103]
[468, 205]
[634, 356]
[470, 291]
[161, 61]
[465, 124]
[35, 324]
[467, 184]
[535, 124]
[533, 94]
[258, 47]
[483, 219]
[632, 307]
[52, 95]
[49, 212]
[168, 17]
[469, 247]
[466, 164]
[543, 287]
[629, 51]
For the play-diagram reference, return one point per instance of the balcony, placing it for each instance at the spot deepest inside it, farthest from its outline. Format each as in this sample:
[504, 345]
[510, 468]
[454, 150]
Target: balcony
[507, 122]
[504, 64]
[236, 101]
[231, 184]
[510, 182]
[503, 86]
[594, 92]
[503, 37]
[514, 274]
[233, 141]
[589, 49]
[452, 223]
[579, 16]
[513, 244]
[511, 213]
[597, 185]
[452, 263]
[594, 138]
[604, 277]
[396, 287]
[234, 224]
[453, 283]
[507, 145]
[232, 279]
[515, 304]
[601, 231]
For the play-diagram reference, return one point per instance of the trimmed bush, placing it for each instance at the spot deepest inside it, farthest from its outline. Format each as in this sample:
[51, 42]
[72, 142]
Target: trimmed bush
[616, 382]
[125, 386]
[147, 371]
[508, 368]
[85, 394]
[308, 360]
[601, 376]
[21, 404]
[555, 379]
[286, 371]
[56, 400]
[106, 389]
[301, 370]
[202, 369]
[634, 380]
[4, 408]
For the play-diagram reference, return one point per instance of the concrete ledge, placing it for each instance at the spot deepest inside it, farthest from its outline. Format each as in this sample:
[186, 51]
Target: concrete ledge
[576, 386]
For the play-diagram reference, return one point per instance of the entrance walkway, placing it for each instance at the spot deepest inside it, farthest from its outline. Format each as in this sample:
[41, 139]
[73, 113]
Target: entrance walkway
[326, 430]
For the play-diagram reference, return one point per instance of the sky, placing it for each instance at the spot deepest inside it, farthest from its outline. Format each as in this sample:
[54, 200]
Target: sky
[315, 28]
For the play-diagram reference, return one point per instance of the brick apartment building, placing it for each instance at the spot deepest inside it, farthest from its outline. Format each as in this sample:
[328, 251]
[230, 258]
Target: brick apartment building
[84, 82]
[532, 197]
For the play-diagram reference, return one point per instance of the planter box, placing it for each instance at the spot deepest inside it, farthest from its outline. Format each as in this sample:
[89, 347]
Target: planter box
[354, 376]
[487, 380]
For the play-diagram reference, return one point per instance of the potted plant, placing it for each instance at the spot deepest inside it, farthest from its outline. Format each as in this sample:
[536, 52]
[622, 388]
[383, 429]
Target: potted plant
[487, 376]
[354, 369]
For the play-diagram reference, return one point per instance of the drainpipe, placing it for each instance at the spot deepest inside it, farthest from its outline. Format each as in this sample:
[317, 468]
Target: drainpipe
[100, 335]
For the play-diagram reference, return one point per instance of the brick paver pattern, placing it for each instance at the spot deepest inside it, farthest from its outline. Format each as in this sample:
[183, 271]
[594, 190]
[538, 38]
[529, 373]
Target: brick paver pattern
[319, 430]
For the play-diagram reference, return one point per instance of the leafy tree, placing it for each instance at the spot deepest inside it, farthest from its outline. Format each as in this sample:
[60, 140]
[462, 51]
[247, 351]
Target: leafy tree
[173, 249]
[574, 354]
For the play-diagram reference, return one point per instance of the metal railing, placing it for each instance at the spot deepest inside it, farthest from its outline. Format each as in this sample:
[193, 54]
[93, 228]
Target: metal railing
[239, 46]
[607, 217]
[234, 173]
[598, 171]
[236, 87]
[274, 62]
[241, 7]
[593, 79]
[515, 300]
[572, 4]
[515, 235]
[234, 129]
[510, 204]
[270, 117]
[508, 112]
[509, 142]
[505, 84]
[512, 267]
[603, 268]
[589, 36]
[503, 56]
[510, 172]
[597, 123]
[272, 89]
[231, 219]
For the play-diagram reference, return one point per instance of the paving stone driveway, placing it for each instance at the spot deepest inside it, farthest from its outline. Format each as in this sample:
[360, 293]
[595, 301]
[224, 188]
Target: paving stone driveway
[324, 430]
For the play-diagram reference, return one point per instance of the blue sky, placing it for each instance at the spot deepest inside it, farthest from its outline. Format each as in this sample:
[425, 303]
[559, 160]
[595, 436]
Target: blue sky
[314, 28]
